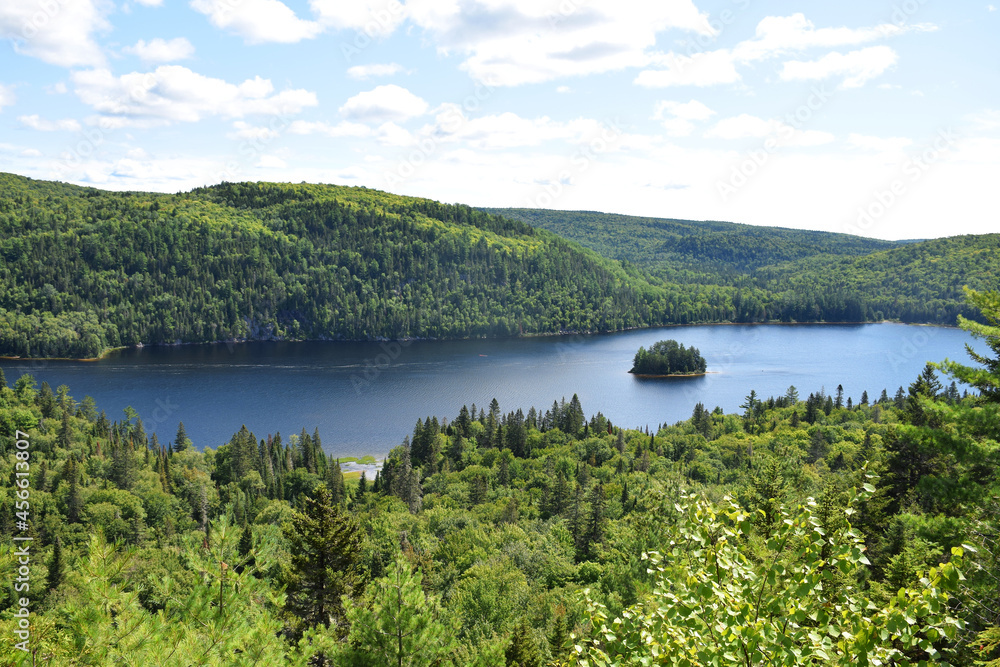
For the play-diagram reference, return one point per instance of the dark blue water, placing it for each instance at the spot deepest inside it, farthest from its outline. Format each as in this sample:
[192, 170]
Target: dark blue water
[364, 397]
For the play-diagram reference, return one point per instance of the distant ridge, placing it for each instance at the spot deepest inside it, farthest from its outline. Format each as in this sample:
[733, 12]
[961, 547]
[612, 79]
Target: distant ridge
[85, 270]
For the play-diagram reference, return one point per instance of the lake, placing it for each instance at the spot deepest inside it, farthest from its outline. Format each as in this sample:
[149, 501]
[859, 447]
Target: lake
[365, 397]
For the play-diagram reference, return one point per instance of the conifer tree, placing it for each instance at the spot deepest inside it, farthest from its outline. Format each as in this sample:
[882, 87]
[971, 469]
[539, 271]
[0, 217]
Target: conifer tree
[523, 650]
[325, 554]
[398, 625]
[559, 637]
[181, 440]
[74, 500]
[335, 482]
[55, 574]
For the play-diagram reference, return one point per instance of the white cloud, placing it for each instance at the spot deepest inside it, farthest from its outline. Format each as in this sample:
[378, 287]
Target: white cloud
[390, 134]
[31, 152]
[780, 34]
[701, 69]
[173, 93]
[374, 18]
[374, 70]
[7, 96]
[271, 162]
[513, 42]
[987, 120]
[774, 36]
[857, 67]
[389, 102]
[258, 21]
[244, 130]
[508, 130]
[991, 8]
[562, 90]
[59, 33]
[878, 144]
[343, 129]
[161, 51]
[693, 110]
[35, 122]
[678, 118]
[150, 3]
[746, 126]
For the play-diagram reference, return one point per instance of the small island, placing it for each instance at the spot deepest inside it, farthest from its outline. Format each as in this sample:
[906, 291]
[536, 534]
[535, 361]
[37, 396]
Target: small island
[668, 358]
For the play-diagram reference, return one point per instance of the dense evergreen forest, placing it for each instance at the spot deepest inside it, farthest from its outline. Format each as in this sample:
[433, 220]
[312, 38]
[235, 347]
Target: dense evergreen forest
[83, 270]
[770, 273]
[817, 530]
[668, 357]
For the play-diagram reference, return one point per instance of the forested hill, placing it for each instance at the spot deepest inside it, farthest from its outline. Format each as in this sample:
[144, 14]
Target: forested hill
[665, 244]
[783, 274]
[84, 270]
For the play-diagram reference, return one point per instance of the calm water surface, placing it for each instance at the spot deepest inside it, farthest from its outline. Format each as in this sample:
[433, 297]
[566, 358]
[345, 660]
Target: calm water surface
[364, 397]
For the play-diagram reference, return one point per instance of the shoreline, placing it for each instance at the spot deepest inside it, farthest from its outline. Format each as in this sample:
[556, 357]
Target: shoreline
[671, 376]
[109, 351]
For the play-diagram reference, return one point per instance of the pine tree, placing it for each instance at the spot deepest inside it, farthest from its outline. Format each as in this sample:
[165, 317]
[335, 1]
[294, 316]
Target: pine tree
[245, 550]
[559, 637]
[523, 650]
[55, 574]
[63, 439]
[74, 500]
[335, 482]
[594, 532]
[181, 441]
[325, 561]
[398, 625]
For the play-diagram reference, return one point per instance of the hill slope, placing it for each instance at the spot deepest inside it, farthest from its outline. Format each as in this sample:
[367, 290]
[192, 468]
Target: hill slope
[670, 247]
[84, 269]
[792, 274]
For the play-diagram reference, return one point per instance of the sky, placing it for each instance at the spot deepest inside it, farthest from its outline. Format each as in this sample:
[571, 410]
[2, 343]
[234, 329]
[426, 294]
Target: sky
[874, 118]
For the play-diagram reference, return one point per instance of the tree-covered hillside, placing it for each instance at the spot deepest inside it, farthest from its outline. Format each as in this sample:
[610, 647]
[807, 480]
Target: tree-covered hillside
[668, 245]
[84, 269]
[771, 273]
[815, 530]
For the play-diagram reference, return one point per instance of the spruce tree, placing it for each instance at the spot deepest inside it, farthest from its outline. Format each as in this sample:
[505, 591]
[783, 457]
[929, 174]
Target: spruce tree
[324, 562]
[559, 637]
[55, 574]
[245, 550]
[181, 441]
[523, 650]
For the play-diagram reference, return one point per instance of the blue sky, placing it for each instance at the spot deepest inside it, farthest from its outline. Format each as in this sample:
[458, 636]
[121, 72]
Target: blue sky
[873, 118]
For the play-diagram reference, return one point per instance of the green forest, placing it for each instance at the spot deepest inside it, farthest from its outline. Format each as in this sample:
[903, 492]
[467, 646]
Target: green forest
[817, 529]
[668, 357]
[83, 271]
[771, 273]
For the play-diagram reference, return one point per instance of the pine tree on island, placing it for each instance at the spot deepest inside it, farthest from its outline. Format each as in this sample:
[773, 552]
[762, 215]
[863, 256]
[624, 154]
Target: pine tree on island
[668, 357]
